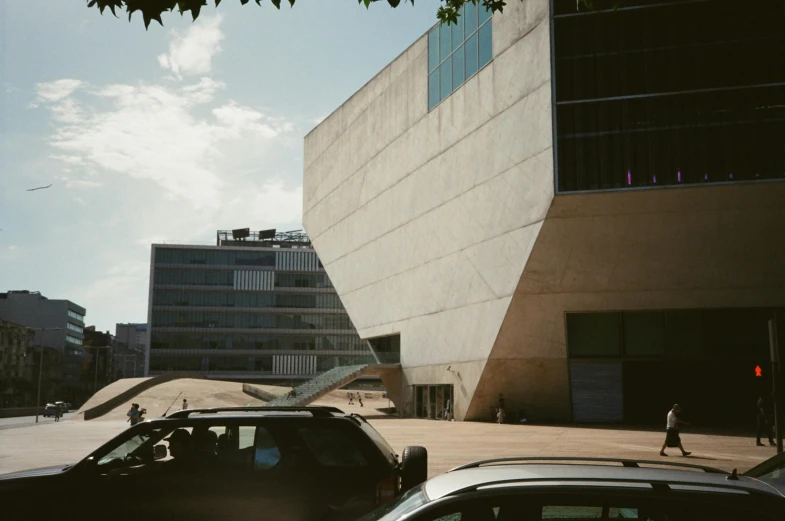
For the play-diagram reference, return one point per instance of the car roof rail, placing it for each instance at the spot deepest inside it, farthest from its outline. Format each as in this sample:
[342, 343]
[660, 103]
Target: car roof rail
[625, 462]
[317, 412]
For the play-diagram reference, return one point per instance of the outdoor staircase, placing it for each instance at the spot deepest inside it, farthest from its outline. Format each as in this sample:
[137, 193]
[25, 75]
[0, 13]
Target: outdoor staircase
[324, 383]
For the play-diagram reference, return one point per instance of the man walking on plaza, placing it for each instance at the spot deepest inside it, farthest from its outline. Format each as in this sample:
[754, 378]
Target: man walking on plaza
[672, 438]
[763, 409]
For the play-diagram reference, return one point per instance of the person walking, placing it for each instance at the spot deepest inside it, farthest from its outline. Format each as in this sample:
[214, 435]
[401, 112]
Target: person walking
[351, 398]
[500, 410]
[58, 412]
[672, 438]
[360, 399]
[763, 413]
[185, 404]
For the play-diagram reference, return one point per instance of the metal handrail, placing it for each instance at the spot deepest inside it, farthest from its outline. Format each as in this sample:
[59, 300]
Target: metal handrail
[320, 412]
[625, 462]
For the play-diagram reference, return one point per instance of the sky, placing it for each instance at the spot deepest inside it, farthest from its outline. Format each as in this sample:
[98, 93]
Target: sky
[165, 135]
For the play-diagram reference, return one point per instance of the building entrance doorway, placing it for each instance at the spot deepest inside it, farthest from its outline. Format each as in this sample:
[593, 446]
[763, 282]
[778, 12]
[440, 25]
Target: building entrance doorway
[434, 402]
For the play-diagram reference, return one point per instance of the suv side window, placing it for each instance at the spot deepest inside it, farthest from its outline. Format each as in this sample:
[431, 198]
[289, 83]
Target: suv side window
[266, 452]
[332, 447]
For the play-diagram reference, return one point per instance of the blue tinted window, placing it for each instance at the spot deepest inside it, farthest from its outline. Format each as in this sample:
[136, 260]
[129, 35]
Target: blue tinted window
[458, 67]
[457, 33]
[472, 61]
[470, 19]
[445, 73]
[457, 51]
[484, 14]
[445, 45]
[486, 45]
[433, 49]
[433, 89]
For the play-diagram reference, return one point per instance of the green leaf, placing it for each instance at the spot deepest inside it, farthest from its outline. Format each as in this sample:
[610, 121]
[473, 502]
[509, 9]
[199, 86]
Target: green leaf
[394, 3]
[217, 2]
[243, 2]
[277, 3]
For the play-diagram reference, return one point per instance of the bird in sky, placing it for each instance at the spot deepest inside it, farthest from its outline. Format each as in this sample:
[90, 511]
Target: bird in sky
[39, 188]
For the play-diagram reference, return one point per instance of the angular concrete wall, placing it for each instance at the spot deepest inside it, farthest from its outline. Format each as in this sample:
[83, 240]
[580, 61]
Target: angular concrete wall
[425, 220]
[693, 247]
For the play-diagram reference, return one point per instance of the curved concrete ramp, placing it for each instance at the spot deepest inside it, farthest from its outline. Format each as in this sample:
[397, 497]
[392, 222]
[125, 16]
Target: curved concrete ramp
[200, 394]
[109, 392]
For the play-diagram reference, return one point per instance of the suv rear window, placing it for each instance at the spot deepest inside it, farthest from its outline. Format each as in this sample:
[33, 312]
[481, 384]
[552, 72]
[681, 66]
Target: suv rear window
[380, 442]
[332, 447]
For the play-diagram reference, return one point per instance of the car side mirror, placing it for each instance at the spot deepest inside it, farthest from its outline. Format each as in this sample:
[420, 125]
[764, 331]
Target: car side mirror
[159, 452]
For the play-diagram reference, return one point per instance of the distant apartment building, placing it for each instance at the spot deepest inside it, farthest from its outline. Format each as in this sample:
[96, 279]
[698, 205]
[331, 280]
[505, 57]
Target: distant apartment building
[16, 364]
[99, 371]
[130, 347]
[59, 329]
[258, 305]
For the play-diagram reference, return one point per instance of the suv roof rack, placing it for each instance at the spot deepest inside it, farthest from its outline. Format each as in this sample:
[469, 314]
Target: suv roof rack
[317, 412]
[625, 462]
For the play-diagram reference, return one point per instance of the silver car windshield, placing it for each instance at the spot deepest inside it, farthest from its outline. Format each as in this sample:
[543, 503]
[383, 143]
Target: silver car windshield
[395, 510]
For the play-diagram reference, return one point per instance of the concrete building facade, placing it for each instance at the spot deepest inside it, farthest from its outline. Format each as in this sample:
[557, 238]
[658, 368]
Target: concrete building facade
[256, 306]
[16, 364]
[130, 348]
[59, 330]
[576, 221]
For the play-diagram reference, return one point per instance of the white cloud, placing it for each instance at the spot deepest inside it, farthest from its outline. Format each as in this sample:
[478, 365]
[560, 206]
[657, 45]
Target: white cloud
[12, 247]
[274, 203]
[151, 132]
[192, 53]
[163, 161]
[57, 90]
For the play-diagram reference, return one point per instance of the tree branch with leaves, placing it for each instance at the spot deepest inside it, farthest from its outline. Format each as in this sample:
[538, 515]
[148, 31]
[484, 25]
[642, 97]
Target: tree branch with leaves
[151, 10]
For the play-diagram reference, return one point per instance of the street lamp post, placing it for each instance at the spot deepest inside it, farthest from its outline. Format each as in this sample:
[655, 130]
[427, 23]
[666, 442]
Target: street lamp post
[41, 366]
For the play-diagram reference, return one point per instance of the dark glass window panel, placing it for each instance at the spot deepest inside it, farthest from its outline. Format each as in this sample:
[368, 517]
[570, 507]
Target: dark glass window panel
[445, 79]
[458, 71]
[593, 334]
[472, 56]
[433, 48]
[669, 134]
[486, 45]
[433, 89]
[470, 19]
[644, 333]
[684, 334]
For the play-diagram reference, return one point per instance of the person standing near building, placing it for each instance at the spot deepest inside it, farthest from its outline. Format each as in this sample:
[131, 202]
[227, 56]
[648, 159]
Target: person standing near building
[500, 410]
[672, 438]
[185, 404]
[764, 424]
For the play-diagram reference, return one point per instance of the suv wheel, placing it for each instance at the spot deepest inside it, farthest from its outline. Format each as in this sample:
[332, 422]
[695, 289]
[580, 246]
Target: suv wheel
[414, 467]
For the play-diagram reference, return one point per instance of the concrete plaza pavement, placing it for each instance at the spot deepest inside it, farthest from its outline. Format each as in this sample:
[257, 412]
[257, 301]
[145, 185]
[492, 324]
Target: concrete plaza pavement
[449, 444]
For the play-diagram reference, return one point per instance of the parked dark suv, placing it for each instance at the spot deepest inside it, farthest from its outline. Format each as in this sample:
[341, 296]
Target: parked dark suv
[252, 463]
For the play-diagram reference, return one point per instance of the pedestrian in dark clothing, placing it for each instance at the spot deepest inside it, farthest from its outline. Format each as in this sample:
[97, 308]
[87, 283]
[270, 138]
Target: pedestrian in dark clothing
[58, 412]
[360, 399]
[500, 413]
[764, 423]
[672, 437]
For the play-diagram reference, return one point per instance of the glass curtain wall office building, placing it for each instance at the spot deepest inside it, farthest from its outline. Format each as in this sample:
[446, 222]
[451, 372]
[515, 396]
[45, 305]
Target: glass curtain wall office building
[260, 310]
